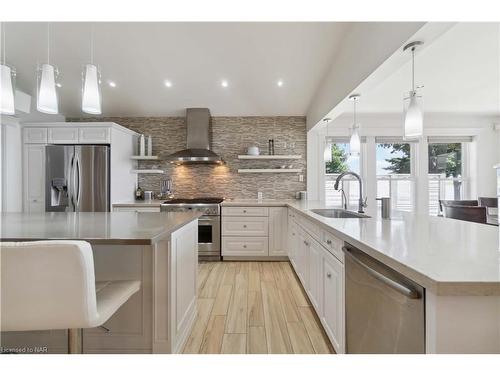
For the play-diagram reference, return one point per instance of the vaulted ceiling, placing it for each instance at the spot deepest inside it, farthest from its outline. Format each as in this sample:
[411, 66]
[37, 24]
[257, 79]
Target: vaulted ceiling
[194, 57]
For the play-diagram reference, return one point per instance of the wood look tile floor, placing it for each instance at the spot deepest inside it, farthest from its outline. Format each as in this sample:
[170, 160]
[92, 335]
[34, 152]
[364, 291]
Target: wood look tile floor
[254, 308]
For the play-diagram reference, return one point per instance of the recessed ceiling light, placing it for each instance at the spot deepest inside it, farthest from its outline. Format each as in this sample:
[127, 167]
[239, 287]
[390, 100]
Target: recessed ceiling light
[224, 83]
[279, 83]
[111, 84]
[58, 84]
[168, 83]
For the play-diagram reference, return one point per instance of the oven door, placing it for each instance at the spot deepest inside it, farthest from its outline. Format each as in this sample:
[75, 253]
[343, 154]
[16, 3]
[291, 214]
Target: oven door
[209, 237]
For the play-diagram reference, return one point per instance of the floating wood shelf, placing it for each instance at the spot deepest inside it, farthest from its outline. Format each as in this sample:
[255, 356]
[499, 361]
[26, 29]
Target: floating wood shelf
[275, 170]
[138, 157]
[269, 157]
[148, 171]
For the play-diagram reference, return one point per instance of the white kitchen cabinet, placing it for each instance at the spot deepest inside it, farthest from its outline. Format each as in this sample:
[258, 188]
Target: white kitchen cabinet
[35, 135]
[245, 211]
[62, 135]
[315, 290]
[245, 226]
[94, 135]
[34, 178]
[244, 246]
[333, 301]
[254, 231]
[278, 231]
[302, 258]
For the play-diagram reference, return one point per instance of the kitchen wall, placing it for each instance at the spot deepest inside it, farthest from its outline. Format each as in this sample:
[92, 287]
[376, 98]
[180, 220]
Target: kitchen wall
[231, 137]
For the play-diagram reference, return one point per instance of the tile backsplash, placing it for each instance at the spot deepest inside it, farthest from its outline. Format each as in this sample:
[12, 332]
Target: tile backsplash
[231, 137]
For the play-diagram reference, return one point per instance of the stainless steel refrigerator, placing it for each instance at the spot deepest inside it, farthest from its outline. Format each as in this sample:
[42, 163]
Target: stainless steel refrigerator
[77, 178]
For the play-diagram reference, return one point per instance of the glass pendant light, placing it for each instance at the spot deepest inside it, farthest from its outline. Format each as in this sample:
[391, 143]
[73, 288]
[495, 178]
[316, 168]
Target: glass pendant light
[7, 75]
[46, 84]
[355, 141]
[327, 155]
[413, 115]
[91, 84]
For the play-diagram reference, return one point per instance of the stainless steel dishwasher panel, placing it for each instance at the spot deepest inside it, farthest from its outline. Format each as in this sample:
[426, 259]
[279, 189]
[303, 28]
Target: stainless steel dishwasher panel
[385, 311]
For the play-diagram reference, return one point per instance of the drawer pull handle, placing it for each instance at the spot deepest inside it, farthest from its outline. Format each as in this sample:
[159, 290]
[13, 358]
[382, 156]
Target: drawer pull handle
[329, 275]
[244, 226]
[329, 242]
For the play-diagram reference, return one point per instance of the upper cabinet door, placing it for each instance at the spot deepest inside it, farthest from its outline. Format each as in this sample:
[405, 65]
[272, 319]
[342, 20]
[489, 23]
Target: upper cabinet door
[94, 135]
[35, 135]
[62, 135]
[278, 231]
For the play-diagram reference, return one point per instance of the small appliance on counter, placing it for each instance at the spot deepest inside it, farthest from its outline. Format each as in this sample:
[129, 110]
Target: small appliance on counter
[301, 195]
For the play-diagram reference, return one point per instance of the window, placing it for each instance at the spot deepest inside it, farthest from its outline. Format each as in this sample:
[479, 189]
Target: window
[446, 172]
[341, 162]
[395, 173]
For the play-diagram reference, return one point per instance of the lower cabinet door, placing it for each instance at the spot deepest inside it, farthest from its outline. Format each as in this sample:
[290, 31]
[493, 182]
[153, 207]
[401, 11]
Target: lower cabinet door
[333, 300]
[293, 241]
[302, 258]
[315, 275]
[244, 246]
[278, 217]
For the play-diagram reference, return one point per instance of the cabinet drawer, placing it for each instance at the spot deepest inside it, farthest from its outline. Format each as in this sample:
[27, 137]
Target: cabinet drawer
[333, 245]
[311, 228]
[35, 135]
[245, 226]
[62, 135]
[94, 135]
[243, 246]
[245, 211]
[136, 209]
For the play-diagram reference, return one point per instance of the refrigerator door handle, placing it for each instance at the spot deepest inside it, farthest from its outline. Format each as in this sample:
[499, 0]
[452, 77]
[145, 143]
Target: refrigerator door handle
[77, 185]
[71, 182]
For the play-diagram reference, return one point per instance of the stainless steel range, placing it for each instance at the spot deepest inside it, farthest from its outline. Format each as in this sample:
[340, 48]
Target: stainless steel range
[209, 240]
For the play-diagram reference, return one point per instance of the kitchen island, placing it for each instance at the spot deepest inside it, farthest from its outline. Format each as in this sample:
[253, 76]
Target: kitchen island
[456, 262]
[159, 249]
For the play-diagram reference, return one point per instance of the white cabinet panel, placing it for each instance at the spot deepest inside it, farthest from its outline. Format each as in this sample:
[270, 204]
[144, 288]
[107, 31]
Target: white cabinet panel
[278, 228]
[34, 178]
[94, 135]
[333, 245]
[315, 275]
[35, 135]
[293, 242]
[244, 246]
[302, 258]
[62, 135]
[333, 301]
[245, 226]
[245, 211]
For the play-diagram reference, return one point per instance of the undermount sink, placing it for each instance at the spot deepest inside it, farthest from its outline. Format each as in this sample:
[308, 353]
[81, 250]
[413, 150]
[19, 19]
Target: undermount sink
[338, 213]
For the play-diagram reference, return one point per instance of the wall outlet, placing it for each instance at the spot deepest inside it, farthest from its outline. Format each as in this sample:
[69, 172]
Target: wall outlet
[259, 195]
[301, 178]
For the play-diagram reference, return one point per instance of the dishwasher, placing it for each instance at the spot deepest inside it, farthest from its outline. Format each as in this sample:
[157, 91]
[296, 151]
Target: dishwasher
[385, 311]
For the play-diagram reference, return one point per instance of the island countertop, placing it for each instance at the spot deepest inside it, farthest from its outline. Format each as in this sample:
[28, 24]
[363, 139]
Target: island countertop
[95, 227]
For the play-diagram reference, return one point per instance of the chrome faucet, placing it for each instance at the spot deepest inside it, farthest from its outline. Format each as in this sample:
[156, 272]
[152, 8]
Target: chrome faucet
[362, 202]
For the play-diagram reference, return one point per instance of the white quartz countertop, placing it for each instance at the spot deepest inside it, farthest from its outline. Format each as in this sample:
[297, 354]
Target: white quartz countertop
[447, 256]
[94, 227]
[140, 203]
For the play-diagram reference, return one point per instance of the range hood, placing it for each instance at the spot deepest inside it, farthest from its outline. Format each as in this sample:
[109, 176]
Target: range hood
[199, 139]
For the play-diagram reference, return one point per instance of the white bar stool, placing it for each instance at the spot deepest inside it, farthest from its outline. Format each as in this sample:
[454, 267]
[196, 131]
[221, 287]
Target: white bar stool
[49, 285]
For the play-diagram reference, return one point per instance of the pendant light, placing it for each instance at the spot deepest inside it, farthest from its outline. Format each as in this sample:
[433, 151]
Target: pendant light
[7, 75]
[413, 116]
[355, 141]
[46, 84]
[91, 84]
[327, 155]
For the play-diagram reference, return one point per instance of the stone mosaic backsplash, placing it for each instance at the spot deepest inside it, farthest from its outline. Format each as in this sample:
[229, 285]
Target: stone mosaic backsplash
[230, 137]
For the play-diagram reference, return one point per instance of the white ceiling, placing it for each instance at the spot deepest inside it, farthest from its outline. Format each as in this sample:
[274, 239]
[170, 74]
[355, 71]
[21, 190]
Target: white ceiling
[195, 57]
[460, 72]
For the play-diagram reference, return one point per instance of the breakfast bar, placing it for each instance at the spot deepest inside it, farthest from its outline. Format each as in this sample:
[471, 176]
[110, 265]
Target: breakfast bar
[159, 249]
